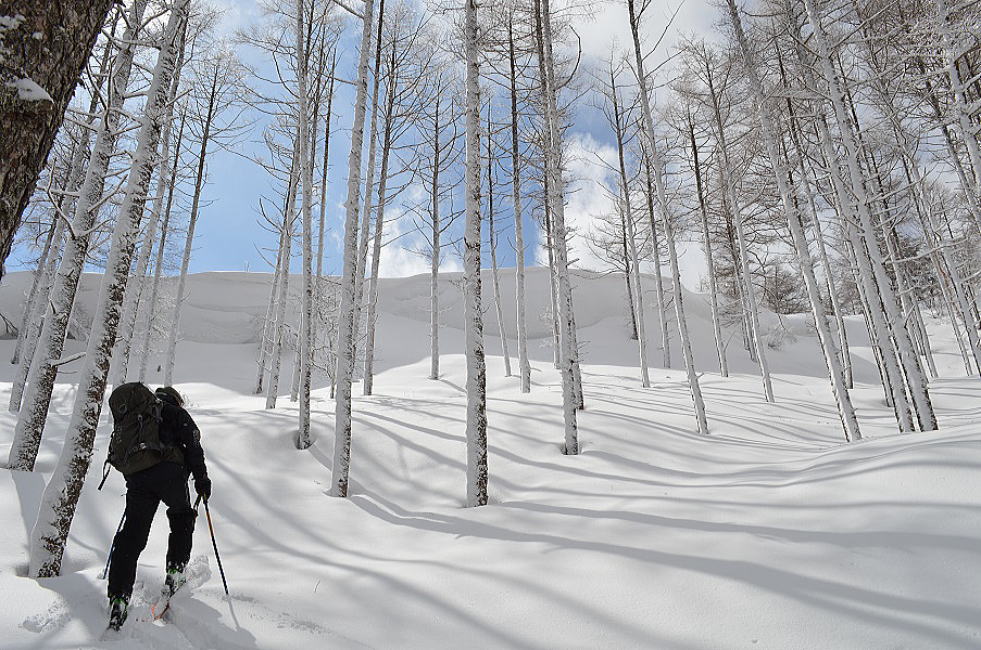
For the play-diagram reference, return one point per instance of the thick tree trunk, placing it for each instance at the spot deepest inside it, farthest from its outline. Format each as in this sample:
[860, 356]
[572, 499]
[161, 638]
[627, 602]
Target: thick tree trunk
[134, 291]
[476, 368]
[305, 347]
[365, 231]
[43, 49]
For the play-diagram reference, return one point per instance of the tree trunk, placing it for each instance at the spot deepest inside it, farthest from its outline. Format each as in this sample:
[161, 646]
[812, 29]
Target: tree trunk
[658, 165]
[305, 347]
[493, 247]
[283, 290]
[912, 370]
[476, 368]
[630, 234]
[134, 291]
[524, 366]
[45, 46]
[569, 357]
[340, 473]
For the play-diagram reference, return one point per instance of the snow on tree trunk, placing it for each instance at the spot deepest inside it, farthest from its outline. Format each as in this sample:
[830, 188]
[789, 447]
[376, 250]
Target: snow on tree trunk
[553, 285]
[34, 315]
[524, 366]
[340, 473]
[476, 368]
[659, 185]
[769, 134]
[305, 347]
[60, 497]
[34, 411]
[43, 48]
[571, 398]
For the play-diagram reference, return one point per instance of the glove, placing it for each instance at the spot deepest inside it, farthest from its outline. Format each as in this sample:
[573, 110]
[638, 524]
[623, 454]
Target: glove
[203, 487]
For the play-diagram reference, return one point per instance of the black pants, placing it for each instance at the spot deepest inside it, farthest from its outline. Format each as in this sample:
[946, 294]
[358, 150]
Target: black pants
[145, 490]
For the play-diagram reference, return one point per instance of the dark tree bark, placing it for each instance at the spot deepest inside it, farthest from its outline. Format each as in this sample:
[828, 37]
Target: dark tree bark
[43, 48]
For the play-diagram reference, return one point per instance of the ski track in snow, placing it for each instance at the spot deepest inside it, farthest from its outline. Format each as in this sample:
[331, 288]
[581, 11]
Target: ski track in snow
[770, 533]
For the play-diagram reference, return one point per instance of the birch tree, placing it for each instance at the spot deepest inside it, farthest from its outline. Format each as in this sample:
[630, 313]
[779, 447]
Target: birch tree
[340, 473]
[476, 368]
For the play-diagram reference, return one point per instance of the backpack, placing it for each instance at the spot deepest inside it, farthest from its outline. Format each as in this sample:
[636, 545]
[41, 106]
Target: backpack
[136, 443]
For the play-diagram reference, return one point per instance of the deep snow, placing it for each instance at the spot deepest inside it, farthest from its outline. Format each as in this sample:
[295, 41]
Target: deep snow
[770, 533]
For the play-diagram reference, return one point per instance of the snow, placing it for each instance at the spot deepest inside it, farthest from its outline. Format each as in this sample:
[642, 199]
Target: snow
[28, 90]
[769, 533]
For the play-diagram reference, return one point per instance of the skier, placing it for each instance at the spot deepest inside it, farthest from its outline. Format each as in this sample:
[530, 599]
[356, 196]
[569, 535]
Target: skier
[177, 452]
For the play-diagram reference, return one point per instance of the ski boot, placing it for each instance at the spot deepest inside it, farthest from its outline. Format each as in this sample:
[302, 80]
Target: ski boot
[175, 579]
[117, 611]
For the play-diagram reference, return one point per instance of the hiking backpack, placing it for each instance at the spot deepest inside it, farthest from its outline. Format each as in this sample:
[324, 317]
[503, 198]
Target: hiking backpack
[136, 443]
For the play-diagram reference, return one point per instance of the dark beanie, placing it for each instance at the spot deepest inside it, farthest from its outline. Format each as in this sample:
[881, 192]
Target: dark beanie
[171, 392]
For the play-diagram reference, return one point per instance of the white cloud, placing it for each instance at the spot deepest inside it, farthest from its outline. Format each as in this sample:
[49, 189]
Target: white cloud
[399, 259]
[586, 197]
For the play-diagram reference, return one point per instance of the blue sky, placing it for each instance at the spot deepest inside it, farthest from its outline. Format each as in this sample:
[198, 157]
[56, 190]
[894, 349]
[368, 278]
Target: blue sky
[228, 231]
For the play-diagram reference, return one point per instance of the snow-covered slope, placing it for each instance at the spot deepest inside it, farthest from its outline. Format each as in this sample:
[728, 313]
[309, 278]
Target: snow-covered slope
[771, 533]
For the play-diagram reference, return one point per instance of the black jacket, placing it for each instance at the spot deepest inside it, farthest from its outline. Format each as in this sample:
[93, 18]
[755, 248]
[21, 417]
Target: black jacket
[178, 428]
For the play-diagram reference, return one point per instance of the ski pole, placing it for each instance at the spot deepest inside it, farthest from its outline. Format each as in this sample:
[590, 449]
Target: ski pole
[214, 543]
[112, 547]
